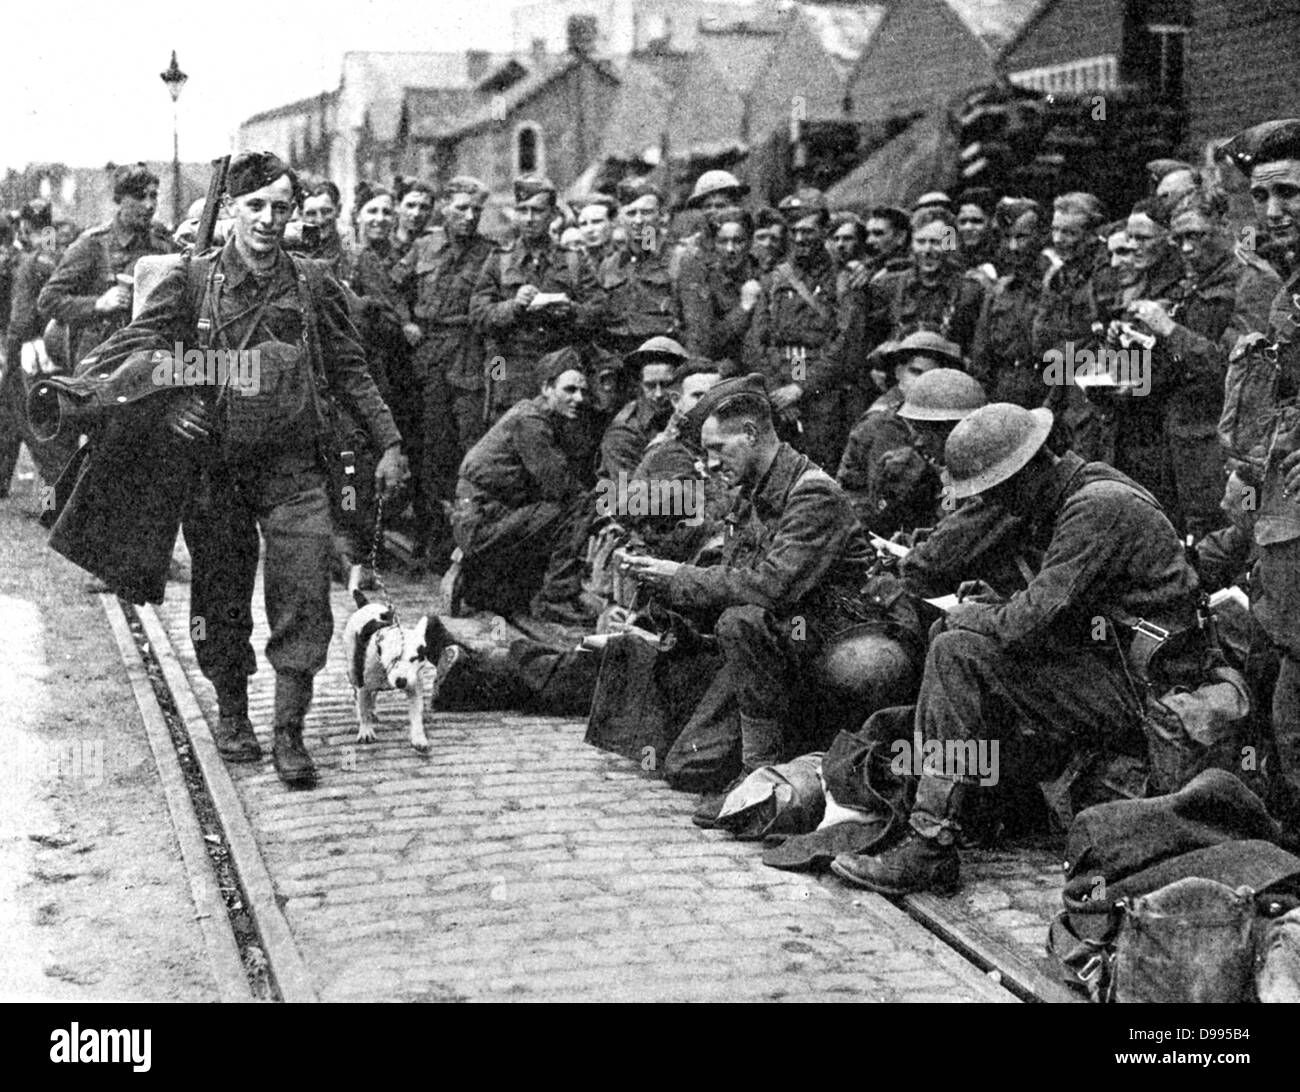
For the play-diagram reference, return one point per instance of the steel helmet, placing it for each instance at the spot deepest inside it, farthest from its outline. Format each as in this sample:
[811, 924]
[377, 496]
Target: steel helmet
[866, 668]
[715, 182]
[944, 394]
[992, 444]
[922, 343]
[658, 350]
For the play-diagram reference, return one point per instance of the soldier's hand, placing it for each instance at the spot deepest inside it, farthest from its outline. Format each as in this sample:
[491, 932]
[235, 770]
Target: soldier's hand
[525, 295]
[392, 473]
[1291, 475]
[749, 294]
[1154, 315]
[190, 418]
[976, 591]
[413, 334]
[650, 571]
[117, 298]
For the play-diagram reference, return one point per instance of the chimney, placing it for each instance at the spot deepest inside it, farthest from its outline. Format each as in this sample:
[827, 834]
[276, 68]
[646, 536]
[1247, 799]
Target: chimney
[580, 35]
[476, 64]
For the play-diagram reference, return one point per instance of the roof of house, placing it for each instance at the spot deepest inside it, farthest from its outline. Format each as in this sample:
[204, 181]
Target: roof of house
[737, 54]
[430, 110]
[377, 82]
[291, 109]
[842, 30]
[995, 22]
[494, 109]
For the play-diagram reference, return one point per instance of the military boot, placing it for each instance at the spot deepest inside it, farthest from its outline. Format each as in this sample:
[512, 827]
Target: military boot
[760, 745]
[926, 860]
[292, 698]
[233, 734]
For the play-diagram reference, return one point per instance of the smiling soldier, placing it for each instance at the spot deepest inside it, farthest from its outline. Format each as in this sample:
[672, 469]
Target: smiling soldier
[261, 457]
[521, 502]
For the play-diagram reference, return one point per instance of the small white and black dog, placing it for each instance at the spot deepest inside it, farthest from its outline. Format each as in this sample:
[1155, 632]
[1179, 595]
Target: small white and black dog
[384, 656]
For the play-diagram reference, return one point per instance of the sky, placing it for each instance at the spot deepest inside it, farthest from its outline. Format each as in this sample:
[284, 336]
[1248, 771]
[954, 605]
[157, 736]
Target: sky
[79, 81]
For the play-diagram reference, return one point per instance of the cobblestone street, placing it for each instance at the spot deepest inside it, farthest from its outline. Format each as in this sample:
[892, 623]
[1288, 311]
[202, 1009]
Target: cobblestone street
[516, 862]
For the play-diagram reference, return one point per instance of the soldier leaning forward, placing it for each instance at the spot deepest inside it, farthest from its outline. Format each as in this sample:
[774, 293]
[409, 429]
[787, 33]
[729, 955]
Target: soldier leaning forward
[241, 450]
[90, 291]
[532, 298]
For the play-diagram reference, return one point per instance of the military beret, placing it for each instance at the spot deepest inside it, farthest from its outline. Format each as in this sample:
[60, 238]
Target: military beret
[36, 213]
[723, 392]
[658, 350]
[528, 188]
[1266, 142]
[633, 189]
[250, 171]
[553, 365]
[132, 180]
[804, 201]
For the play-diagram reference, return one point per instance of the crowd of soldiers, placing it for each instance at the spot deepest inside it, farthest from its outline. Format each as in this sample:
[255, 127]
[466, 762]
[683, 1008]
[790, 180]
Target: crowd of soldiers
[982, 396]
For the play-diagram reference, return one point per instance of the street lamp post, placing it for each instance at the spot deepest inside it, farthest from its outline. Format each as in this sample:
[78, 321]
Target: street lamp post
[175, 79]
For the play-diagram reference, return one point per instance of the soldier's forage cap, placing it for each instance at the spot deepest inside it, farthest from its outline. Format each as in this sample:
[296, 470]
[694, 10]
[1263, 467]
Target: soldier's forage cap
[553, 365]
[528, 188]
[803, 202]
[715, 182]
[658, 350]
[715, 396]
[992, 444]
[36, 213]
[1266, 142]
[250, 171]
[919, 343]
[944, 394]
[935, 199]
[633, 189]
[132, 180]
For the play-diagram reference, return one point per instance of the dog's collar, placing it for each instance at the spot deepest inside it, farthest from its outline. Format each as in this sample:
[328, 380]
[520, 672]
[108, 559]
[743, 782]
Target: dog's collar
[367, 631]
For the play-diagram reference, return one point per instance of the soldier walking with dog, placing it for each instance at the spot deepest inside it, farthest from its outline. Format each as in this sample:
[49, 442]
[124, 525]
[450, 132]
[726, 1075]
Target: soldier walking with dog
[262, 453]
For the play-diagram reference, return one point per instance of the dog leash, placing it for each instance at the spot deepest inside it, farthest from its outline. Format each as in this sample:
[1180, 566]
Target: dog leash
[373, 560]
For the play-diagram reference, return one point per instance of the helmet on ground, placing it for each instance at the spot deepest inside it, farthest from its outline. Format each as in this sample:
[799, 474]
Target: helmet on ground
[866, 668]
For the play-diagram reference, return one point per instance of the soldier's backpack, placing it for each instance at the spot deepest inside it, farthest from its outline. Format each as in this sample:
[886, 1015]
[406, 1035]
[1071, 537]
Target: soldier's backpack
[1251, 413]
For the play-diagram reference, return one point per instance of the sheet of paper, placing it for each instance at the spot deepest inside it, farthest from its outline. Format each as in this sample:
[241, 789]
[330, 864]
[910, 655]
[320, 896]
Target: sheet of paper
[1234, 594]
[944, 602]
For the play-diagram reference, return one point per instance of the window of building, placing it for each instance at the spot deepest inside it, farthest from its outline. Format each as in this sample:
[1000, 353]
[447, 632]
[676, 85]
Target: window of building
[530, 157]
[1168, 51]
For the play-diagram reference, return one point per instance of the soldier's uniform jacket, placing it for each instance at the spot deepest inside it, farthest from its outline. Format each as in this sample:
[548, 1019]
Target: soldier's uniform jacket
[714, 324]
[625, 440]
[1109, 551]
[88, 270]
[1002, 356]
[890, 484]
[529, 455]
[1211, 311]
[33, 273]
[640, 299]
[978, 540]
[1279, 515]
[519, 336]
[1068, 307]
[171, 315]
[900, 303]
[794, 546]
[437, 277]
[803, 336]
